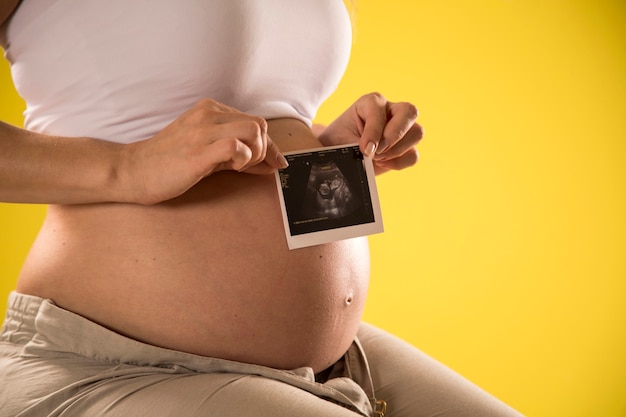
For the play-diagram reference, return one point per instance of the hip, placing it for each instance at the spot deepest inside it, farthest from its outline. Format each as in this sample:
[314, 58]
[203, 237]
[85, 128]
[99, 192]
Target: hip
[41, 354]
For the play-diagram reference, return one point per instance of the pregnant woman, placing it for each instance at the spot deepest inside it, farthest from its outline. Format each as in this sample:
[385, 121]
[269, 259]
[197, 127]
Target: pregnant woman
[160, 283]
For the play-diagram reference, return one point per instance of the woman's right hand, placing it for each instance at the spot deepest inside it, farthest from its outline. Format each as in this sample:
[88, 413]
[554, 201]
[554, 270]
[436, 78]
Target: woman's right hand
[208, 138]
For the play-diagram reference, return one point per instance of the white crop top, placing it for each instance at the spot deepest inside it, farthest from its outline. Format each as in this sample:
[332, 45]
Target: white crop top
[121, 70]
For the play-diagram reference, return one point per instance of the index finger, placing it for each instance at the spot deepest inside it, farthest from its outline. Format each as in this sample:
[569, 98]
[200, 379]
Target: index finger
[372, 111]
[402, 117]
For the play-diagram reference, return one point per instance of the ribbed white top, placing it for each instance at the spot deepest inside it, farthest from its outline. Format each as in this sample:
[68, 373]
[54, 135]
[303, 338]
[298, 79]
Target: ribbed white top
[121, 70]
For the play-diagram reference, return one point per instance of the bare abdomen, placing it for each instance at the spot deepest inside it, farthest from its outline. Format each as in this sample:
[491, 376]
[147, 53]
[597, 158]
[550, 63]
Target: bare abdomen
[208, 273]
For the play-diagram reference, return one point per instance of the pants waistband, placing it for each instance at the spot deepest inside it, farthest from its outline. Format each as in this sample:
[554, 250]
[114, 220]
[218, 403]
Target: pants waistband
[44, 329]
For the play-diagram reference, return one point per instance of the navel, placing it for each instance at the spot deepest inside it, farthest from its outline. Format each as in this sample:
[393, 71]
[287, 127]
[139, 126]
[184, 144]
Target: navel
[349, 298]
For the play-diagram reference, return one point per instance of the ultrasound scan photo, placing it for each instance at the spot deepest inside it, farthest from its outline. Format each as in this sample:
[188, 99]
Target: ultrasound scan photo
[328, 194]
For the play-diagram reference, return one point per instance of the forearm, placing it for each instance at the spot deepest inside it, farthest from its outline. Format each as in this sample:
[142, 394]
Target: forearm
[37, 168]
[208, 138]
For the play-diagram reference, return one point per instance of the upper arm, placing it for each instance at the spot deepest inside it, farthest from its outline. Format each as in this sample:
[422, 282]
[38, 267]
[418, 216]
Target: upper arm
[7, 7]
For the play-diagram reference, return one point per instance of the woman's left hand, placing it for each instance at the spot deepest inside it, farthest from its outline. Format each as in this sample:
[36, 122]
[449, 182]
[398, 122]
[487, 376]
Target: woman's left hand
[385, 131]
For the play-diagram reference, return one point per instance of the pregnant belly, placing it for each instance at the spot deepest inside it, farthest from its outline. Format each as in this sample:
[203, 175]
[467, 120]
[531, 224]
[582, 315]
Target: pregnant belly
[208, 273]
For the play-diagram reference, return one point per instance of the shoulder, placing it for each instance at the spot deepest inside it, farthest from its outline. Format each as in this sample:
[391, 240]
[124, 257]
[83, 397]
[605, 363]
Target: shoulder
[7, 7]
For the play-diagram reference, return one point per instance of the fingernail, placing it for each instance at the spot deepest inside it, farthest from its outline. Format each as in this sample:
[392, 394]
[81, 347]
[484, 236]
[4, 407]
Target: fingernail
[282, 161]
[369, 149]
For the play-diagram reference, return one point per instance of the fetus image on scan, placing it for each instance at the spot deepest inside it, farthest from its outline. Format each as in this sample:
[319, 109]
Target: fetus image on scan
[328, 193]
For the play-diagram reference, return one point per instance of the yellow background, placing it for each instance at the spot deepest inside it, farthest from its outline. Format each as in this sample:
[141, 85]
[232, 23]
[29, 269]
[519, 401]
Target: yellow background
[504, 250]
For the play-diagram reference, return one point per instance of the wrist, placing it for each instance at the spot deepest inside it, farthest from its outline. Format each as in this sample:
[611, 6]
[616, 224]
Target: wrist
[124, 180]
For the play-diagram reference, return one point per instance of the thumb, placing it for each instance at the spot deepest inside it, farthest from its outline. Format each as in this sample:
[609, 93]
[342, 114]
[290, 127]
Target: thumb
[273, 156]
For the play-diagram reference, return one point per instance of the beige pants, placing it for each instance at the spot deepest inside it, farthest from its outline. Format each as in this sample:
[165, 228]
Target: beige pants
[56, 363]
